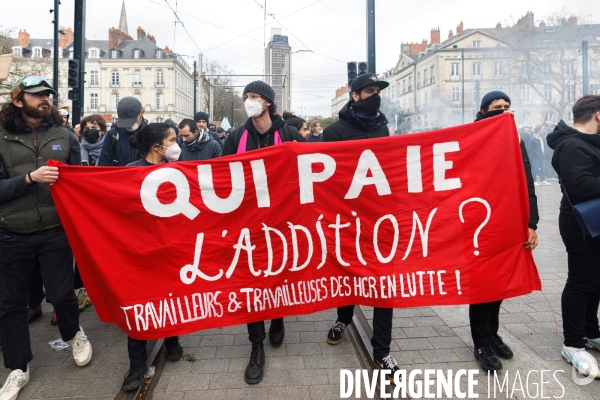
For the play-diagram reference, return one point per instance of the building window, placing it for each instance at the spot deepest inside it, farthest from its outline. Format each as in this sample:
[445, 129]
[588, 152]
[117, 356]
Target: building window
[93, 78]
[595, 90]
[37, 52]
[476, 69]
[432, 74]
[114, 54]
[547, 66]
[571, 92]
[403, 86]
[525, 93]
[570, 67]
[137, 79]
[114, 82]
[424, 77]
[114, 101]
[160, 79]
[425, 121]
[497, 68]
[17, 51]
[476, 44]
[136, 54]
[94, 54]
[93, 101]
[158, 53]
[548, 92]
[425, 100]
[549, 117]
[454, 75]
[418, 80]
[455, 93]
[159, 102]
[570, 117]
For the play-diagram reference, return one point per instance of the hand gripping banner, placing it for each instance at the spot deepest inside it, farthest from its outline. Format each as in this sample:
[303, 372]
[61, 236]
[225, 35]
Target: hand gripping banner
[436, 218]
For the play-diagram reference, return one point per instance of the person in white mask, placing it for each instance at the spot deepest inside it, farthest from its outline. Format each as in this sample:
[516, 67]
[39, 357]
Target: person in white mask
[158, 142]
[263, 128]
[116, 150]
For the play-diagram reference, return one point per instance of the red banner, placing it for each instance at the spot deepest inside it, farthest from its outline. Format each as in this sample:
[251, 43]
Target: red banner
[436, 218]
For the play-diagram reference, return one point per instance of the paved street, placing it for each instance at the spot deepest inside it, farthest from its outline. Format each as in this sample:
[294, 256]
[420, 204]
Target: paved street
[305, 367]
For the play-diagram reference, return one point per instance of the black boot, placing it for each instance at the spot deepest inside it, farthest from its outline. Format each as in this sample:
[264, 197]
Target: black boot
[487, 358]
[501, 349]
[254, 370]
[173, 349]
[134, 378]
[276, 332]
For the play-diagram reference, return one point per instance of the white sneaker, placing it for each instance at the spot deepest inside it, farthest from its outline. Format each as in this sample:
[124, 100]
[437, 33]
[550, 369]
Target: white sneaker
[536, 183]
[13, 385]
[593, 344]
[583, 361]
[82, 349]
[545, 183]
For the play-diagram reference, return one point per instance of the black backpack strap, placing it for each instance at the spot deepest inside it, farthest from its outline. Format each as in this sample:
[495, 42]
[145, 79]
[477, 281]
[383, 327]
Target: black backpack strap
[115, 147]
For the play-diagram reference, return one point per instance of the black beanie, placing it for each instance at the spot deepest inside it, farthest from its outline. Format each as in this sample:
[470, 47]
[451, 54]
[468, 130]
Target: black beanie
[200, 115]
[491, 96]
[262, 88]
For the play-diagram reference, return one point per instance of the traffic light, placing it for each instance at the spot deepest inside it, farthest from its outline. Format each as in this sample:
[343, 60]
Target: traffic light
[73, 95]
[351, 72]
[362, 68]
[74, 73]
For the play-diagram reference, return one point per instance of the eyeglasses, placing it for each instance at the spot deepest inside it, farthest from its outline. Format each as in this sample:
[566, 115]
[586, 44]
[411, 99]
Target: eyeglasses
[30, 81]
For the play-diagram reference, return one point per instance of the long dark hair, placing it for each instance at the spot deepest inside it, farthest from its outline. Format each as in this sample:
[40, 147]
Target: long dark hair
[293, 120]
[148, 136]
[12, 120]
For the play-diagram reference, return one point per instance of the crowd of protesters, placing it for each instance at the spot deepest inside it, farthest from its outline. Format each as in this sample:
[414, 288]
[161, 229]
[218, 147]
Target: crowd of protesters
[36, 253]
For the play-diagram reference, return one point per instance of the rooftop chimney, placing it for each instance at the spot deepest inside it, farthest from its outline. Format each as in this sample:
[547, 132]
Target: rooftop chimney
[168, 50]
[405, 48]
[542, 24]
[151, 38]
[140, 33]
[498, 25]
[450, 34]
[435, 36]
[23, 38]
[526, 22]
[62, 43]
[573, 22]
[115, 37]
[460, 28]
[70, 35]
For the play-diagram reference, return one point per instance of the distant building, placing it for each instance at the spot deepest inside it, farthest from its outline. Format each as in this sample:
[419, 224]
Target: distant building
[539, 67]
[278, 61]
[342, 96]
[118, 67]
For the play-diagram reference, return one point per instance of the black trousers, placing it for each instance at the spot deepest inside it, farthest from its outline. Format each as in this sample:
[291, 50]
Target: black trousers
[36, 288]
[581, 295]
[256, 330]
[484, 320]
[137, 350]
[382, 328]
[78, 283]
[18, 253]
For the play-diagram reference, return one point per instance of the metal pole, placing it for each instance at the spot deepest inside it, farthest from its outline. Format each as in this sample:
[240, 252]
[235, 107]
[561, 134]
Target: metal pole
[79, 54]
[584, 60]
[55, 65]
[371, 36]
[462, 59]
[232, 115]
[195, 87]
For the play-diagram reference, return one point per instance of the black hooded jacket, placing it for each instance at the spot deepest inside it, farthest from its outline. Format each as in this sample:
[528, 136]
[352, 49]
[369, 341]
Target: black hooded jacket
[257, 140]
[349, 127]
[576, 159]
[534, 217]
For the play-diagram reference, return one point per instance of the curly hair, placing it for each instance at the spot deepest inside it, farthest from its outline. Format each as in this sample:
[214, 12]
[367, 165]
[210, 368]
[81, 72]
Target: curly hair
[12, 120]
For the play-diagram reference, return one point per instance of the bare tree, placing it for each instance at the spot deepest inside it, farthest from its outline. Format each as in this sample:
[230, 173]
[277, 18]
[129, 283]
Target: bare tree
[224, 93]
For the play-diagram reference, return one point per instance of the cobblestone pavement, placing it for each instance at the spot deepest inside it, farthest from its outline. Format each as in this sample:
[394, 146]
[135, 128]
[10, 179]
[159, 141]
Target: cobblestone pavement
[305, 367]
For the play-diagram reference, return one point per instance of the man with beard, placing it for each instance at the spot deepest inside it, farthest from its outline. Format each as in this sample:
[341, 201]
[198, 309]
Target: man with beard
[31, 132]
[195, 145]
[116, 149]
[359, 119]
[264, 128]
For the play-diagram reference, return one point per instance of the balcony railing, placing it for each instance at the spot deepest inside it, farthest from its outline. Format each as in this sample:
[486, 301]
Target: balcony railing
[160, 84]
[455, 77]
[137, 84]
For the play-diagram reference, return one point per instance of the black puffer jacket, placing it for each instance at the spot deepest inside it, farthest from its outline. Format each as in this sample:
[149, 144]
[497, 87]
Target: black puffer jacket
[257, 140]
[534, 216]
[576, 159]
[349, 127]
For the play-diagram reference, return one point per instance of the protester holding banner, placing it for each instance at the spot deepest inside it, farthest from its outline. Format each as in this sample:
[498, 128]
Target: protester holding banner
[116, 149]
[361, 118]
[264, 128]
[32, 133]
[158, 142]
[484, 317]
[577, 161]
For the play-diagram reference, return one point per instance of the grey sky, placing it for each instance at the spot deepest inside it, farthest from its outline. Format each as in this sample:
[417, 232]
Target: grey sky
[332, 28]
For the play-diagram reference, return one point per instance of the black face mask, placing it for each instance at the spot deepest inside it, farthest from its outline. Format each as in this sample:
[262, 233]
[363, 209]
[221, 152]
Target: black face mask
[368, 106]
[91, 135]
[492, 113]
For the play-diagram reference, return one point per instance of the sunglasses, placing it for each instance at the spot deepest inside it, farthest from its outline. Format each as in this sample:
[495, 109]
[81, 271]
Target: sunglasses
[30, 81]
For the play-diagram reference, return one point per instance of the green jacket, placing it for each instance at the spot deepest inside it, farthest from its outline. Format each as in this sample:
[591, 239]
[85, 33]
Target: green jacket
[25, 209]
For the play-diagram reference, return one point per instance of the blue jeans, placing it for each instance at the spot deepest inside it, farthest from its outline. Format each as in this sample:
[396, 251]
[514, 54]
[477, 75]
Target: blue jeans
[18, 255]
[538, 165]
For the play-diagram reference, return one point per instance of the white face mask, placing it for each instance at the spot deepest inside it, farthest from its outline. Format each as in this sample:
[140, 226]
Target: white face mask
[253, 108]
[173, 152]
[133, 127]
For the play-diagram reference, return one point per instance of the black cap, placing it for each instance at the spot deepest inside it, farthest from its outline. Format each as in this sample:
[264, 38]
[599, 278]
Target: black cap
[362, 81]
[212, 127]
[128, 110]
[200, 115]
[491, 96]
[262, 88]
